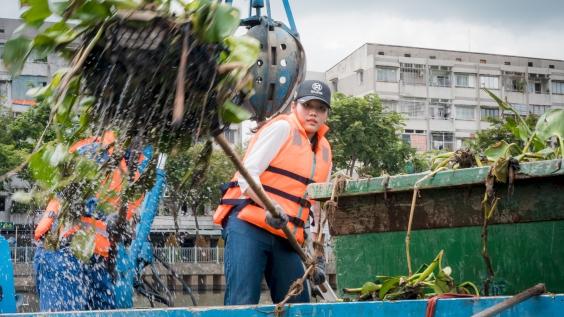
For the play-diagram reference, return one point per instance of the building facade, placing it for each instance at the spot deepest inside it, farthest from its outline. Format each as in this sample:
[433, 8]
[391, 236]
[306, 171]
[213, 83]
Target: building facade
[439, 91]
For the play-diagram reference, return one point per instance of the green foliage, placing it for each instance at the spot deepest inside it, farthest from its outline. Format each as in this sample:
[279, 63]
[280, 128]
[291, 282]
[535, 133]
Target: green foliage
[220, 171]
[422, 161]
[423, 284]
[364, 137]
[17, 139]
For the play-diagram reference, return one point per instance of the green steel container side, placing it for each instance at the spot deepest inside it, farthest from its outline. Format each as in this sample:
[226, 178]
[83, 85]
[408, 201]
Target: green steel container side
[524, 235]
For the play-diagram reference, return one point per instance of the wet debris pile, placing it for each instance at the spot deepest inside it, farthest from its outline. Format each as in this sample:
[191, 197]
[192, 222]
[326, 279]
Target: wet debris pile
[152, 79]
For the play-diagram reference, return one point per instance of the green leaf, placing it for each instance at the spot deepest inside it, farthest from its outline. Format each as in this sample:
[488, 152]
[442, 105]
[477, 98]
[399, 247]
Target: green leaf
[43, 45]
[40, 168]
[383, 278]
[524, 134]
[388, 285]
[546, 152]
[82, 245]
[92, 12]
[38, 12]
[59, 7]
[231, 113]
[369, 287]
[511, 123]
[551, 123]
[22, 197]
[443, 283]
[243, 49]
[223, 22]
[497, 150]
[15, 53]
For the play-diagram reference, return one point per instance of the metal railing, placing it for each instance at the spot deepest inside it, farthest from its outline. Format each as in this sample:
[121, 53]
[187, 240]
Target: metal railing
[167, 254]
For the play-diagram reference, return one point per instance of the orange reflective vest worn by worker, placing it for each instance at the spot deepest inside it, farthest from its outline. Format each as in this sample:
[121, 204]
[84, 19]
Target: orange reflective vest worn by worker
[284, 156]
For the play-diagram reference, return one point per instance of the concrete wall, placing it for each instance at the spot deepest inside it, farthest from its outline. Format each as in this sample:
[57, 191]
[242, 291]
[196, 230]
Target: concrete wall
[208, 276]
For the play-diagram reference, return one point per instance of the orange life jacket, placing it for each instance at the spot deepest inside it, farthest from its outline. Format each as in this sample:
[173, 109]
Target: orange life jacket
[102, 243]
[284, 181]
[49, 217]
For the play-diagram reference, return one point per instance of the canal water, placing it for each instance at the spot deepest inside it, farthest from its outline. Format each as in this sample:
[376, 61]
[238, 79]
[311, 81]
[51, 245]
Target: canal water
[181, 299]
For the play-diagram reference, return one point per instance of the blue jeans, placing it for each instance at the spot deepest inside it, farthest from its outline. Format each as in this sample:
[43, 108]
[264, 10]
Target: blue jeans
[251, 253]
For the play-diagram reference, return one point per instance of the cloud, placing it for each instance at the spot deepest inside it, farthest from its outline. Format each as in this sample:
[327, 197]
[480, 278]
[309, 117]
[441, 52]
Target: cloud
[332, 29]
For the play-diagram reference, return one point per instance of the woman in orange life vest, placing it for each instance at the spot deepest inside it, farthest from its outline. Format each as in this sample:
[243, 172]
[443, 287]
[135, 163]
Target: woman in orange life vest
[284, 156]
[64, 283]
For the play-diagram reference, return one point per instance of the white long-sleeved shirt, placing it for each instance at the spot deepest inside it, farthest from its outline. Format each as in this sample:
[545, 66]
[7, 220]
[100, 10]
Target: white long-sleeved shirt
[265, 149]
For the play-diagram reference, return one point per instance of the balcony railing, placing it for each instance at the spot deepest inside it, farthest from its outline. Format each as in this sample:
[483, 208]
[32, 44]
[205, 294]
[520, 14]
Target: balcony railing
[167, 254]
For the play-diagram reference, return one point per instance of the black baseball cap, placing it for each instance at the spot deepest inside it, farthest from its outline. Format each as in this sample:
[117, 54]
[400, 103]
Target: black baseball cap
[313, 89]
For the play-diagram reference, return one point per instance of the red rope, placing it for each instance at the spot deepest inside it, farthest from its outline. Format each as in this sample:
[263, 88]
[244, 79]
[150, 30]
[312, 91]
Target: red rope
[432, 303]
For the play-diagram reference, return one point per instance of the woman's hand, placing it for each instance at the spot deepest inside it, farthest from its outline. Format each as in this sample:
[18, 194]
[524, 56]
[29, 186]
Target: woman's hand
[276, 223]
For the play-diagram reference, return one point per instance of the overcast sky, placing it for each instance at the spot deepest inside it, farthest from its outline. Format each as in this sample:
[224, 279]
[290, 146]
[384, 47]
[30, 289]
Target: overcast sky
[332, 29]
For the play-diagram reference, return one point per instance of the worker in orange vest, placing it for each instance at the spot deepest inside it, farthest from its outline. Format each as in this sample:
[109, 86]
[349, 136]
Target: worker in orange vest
[285, 155]
[64, 282]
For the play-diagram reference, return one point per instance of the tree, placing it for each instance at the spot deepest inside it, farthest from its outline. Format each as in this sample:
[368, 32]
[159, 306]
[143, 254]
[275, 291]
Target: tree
[499, 130]
[18, 138]
[207, 192]
[365, 137]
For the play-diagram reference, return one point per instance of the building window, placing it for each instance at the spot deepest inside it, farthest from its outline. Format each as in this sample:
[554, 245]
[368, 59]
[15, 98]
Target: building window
[439, 76]
[432, 57]
[490, 82]
[538, 84]
[550, 66]
[530, 64]
[458, 60]
[489, 112]
[482, 61]
[2, 203]
[521, 109]
[387, 74]
[412, 107]
[507, 63]
[465, 80]
[513, 81]
[464, 113]
[380, 53]
[558, 87]
[412, 74]
[439, 109]
[416, 140]
[1, 30]
[442, 140]
[389, 105]
[4, 88]
[407, 55]
[359, 77]
[229, 135]
[539, 109]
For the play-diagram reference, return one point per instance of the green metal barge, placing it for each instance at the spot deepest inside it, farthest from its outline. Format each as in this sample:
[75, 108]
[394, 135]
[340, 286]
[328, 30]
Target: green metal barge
[525, 241]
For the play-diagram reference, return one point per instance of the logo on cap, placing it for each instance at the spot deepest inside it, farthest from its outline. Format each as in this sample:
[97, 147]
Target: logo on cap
[316, 86]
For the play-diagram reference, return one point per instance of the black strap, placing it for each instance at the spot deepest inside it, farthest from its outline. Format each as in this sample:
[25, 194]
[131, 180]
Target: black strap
[296, 221]
[239, 204]
[300, 201]
[52, 215]
[226, 186]
[301, 179]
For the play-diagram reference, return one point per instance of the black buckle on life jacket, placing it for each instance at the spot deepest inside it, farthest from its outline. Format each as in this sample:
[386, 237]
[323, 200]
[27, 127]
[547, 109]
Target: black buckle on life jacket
[226, 186]
[296, 221]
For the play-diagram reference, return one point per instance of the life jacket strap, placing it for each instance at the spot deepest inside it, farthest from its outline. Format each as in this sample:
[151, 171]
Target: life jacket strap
[292, 175]
[239, 204]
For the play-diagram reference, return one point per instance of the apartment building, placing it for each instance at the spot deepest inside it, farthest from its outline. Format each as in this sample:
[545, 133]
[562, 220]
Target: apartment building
[439, 91]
